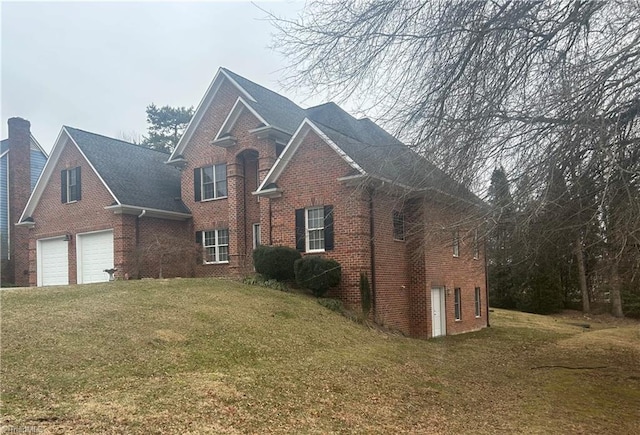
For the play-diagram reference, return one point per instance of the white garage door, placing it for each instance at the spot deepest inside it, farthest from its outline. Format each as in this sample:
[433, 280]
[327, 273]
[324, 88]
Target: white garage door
[95, 254]
[53, 262]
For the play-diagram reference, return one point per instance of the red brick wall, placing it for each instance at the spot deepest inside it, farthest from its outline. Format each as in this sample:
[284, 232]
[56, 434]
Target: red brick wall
[53, 218]
[165, 249]
[392, 267]
[443, 269]
[19, 192]
[137, 242]
[306, 184]
[240, 209]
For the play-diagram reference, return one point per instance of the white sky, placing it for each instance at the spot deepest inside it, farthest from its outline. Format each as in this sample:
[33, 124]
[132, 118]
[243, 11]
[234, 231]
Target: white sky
[96, 66]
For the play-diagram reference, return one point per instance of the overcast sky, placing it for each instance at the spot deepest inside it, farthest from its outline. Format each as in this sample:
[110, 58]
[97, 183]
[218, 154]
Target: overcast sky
[96, 66]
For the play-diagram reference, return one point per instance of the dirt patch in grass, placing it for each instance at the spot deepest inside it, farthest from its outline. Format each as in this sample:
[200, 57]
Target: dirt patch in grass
[215, 356]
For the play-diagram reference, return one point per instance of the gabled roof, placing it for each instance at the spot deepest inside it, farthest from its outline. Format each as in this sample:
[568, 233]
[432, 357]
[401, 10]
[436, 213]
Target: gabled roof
[278, 111]
[371, 152]
[137, 177]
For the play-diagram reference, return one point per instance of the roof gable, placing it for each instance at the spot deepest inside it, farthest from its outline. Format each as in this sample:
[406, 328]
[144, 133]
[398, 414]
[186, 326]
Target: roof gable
[272, 108]
[134, 175]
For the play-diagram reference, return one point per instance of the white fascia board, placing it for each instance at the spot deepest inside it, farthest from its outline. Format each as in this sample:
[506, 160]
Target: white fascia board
[4, 153]
[94, 170]
[64, 138]
[234, 114]
[149, 212]
[240, 88]
[305, 127]
[202, 108]
[212, 90]
[35, 143]
[49, 165]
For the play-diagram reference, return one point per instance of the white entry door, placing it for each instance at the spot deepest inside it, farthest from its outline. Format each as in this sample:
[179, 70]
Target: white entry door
[438, 317]
[52, 261]
[95, 254]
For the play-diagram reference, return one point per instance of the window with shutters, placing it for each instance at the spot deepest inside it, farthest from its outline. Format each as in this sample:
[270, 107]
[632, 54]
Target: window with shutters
[215, 245]
[210, 182]
[70, 185]
[314, 229]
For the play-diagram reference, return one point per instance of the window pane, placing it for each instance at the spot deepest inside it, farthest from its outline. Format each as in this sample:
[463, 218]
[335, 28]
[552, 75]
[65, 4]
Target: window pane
[223, 237]
[207, 175]
[210, 254]
[224, 253]
[221, 172]
[316, 239]
[209, 238]
[221, 189]
[315, 218]
[207, 191]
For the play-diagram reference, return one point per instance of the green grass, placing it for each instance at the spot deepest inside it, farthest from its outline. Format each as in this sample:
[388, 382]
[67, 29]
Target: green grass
[217, 356]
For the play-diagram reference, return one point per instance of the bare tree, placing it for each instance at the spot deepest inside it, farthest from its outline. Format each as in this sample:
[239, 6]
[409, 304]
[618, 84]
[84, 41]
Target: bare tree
[527, 84]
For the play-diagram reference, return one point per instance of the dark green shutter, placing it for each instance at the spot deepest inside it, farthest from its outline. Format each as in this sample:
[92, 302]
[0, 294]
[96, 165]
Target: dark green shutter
[328, 227]
[197, 184]
[199, 237]
[63, 183]
[78, 185]
[300, 230]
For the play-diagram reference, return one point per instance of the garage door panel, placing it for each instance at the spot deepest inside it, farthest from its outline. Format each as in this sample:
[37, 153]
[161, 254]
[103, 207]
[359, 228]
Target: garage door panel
[53, 262]
[95, 254]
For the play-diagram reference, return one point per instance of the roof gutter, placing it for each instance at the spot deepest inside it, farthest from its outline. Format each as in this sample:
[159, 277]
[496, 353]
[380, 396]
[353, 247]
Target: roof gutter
[149, 212]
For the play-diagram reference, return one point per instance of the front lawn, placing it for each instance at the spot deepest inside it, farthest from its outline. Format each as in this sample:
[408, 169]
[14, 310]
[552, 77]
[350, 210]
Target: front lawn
[216, 356]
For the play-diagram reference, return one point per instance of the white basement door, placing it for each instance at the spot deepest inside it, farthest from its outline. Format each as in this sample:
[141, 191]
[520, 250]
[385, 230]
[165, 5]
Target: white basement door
[94, 254]
[53, 261]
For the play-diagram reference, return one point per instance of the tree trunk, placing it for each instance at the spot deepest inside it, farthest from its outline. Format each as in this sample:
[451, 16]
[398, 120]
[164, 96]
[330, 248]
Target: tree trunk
[582, 276]
[616, 298]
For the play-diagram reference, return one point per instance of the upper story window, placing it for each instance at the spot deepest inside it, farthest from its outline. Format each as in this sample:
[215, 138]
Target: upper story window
[210, 182]
[70, 185]
[314, 229]
[476, 245]
[398, 225]
[456, 244]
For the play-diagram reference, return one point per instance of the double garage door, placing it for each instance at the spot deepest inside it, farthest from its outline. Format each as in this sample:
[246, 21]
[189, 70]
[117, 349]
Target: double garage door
[94, 254]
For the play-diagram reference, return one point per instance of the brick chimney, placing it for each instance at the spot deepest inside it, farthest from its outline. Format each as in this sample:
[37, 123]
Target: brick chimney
[19, 191]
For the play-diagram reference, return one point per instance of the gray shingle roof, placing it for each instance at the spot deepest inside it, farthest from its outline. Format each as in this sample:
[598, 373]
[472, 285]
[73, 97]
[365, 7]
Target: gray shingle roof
[380, 154]
[137, 176]
[276, 109]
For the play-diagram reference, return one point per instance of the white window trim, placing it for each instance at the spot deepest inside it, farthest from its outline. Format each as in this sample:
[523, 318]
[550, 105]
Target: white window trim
[257, 239]
[216, 245]
[478, 305]
[202, 183]
[401, 215]
[456, 244]
[476, 245]
[457, 296]
[307, 230]
[68, 174]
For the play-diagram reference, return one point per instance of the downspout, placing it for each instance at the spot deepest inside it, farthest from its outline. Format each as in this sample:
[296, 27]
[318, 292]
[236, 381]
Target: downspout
[486, 280]
[372, 250]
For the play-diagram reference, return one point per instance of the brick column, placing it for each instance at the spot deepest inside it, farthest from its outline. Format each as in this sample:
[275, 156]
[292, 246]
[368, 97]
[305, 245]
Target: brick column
[236, 200]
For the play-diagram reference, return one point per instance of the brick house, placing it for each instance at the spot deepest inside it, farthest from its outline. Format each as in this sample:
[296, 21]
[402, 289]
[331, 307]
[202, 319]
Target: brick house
[255, 168]
[21, 162]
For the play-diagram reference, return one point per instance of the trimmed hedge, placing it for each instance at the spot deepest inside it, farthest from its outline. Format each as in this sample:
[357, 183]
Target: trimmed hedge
[275, 262]
[318, 274]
